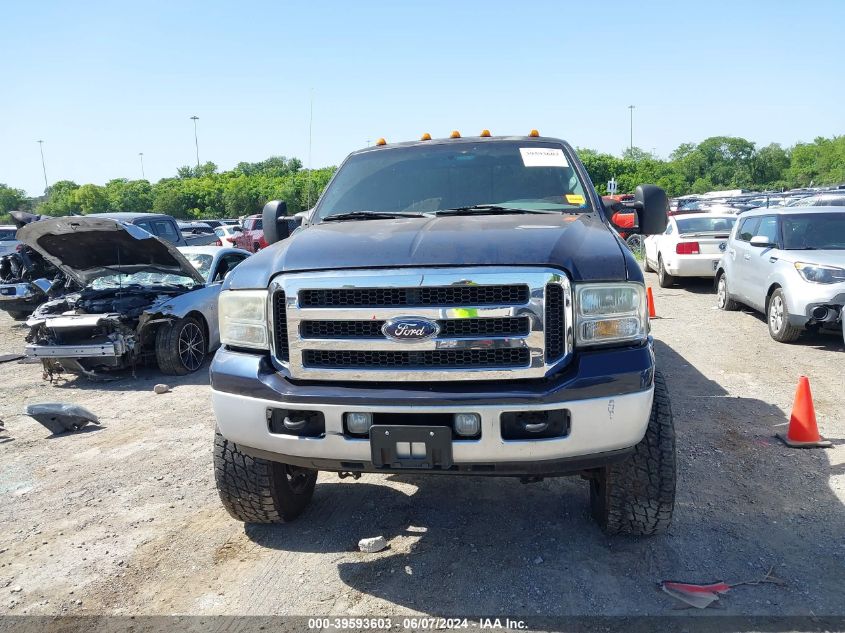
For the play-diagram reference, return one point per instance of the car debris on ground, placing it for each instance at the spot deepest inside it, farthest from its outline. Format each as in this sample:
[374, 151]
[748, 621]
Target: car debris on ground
[702, 596]
[372, 545]
[59, 417]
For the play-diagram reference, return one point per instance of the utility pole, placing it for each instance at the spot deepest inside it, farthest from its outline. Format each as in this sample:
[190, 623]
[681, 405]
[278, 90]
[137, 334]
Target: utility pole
[631, 146]
[143, 175]
[310, 126]
[195, 118]
[43, 165]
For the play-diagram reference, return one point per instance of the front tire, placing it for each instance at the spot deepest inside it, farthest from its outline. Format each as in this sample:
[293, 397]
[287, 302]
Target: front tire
[255, 490]
[637, 496]
[777, 316]
[19, 316]
[181, 346]
[663, 277]
[723, 298]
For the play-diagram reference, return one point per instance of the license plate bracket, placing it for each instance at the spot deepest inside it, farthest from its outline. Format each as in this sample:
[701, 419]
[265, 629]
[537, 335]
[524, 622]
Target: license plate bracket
[419, 447]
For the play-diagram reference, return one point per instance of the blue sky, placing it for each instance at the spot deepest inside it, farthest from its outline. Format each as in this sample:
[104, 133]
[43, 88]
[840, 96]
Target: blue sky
[100, 82]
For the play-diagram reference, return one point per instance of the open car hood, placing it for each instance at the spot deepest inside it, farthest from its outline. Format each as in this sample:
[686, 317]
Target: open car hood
[89, 248]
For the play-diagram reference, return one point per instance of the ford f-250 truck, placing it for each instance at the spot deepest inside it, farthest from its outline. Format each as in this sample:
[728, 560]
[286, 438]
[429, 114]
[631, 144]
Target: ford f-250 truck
[458, 306]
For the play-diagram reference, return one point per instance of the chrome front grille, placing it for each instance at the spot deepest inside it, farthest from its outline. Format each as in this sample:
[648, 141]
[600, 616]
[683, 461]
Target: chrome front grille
[494, 323]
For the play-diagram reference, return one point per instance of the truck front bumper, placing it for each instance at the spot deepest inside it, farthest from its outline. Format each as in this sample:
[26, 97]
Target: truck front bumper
[607, 394]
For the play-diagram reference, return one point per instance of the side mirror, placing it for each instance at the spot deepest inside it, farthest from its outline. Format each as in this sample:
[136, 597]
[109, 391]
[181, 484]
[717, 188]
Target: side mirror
[652, 207]
[273, 221]
[761, 241]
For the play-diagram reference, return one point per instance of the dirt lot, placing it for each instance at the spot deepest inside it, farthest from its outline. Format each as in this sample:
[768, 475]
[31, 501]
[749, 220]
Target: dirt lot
[126, 520]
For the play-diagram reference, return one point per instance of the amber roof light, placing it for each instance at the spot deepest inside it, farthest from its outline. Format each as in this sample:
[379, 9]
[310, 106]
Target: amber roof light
[533, 133]
[425, 137]
[485, 133]
[381, 141]
[455, 134]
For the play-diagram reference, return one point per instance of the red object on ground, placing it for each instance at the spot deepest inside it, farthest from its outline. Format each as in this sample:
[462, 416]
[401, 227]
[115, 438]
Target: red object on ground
[803, 431]
[652, 313]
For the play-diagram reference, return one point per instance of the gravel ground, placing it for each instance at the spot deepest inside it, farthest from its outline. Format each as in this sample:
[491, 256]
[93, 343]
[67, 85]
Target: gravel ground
[125, 519]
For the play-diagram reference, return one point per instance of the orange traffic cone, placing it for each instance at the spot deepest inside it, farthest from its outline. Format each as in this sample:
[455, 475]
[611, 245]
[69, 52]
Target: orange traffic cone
[652, 314]
[803, 431]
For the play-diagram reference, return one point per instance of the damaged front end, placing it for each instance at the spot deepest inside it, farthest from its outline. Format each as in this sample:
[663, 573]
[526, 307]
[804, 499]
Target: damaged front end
[95, 331]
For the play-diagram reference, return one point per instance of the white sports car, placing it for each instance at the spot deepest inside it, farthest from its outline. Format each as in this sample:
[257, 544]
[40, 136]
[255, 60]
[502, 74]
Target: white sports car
[141, 298]
[691, 246]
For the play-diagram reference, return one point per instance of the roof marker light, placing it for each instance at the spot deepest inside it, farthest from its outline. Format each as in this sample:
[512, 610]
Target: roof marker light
[425, 137]
[485, 133]
[455, 134]
[533, 133]
[381, 141]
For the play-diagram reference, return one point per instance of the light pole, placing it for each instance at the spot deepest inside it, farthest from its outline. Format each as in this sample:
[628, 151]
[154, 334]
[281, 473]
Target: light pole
[43, 165]
[631, 146]
[195, 118]
[143, 175]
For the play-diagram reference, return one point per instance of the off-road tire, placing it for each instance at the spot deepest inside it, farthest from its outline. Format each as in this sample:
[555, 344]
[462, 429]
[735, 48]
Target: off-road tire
[723, 299]
[663, 277]
[168, 353]
[255, 490]
[637, 496]
[785, 333]
[19, 316]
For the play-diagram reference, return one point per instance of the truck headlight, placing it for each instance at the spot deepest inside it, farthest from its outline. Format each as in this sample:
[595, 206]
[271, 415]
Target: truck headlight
[610, 313]
[819, 274]
[243, 318]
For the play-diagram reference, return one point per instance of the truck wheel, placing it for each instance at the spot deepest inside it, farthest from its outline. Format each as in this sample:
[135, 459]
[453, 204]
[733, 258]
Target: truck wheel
[181, 346]
[19, 316]
[255, 490]
[778, 318]
[723, 299]
[637, 496]
[663, 277]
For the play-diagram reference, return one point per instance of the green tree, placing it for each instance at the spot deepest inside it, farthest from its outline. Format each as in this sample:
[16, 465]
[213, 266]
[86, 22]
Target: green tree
[91, 199]
[60, 200]
[11, 199]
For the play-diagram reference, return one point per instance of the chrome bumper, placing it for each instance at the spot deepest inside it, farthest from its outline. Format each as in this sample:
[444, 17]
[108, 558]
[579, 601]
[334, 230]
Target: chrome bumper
[597, 425]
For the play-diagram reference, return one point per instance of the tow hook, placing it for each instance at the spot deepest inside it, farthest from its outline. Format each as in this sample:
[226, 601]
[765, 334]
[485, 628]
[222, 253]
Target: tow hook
[531, 479]
[344, 475]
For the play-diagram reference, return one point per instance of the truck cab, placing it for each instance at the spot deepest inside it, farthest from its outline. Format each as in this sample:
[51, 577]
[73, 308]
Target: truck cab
[452, 306]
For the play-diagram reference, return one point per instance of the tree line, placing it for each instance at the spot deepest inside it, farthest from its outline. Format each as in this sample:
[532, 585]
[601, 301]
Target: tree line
[717, 163]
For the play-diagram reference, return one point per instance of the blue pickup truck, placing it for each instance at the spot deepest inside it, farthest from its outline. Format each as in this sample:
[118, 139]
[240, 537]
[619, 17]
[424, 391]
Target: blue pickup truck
[454, 306]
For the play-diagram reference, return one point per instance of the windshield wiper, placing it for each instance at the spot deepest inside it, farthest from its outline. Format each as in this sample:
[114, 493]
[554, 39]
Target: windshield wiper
[369, 215]
[487, 209]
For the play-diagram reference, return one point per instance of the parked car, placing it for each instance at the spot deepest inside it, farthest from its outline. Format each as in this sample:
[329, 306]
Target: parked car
[691, 246]
[26, 279]
[830, 199]
[198, 233]
[8, 242]
[141, 298]
[160, 225]
[252, 236]
[454, 306]
[228, 234]
[788, 263]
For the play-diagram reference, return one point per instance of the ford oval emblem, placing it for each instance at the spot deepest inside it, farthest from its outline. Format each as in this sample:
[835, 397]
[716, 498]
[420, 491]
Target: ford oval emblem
[410, 329]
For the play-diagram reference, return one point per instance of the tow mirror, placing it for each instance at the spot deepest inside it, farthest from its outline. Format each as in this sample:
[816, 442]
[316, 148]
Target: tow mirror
[652, 207]
[274, 221]
[761, 241]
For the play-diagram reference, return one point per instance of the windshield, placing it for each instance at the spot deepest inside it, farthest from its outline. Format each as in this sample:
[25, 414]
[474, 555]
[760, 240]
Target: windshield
[706, 225]
[7, 234]
[425, 179]
[200, 261]
[817, 231]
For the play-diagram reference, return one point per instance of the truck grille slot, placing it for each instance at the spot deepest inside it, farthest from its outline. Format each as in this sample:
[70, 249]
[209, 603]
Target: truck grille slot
[555, 318]
[280, 321]
[510, 295]
[495, 323]
[449, 328]
[441, 358]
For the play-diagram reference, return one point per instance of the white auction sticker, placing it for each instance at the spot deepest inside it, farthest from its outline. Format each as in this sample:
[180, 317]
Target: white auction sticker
[543, 157]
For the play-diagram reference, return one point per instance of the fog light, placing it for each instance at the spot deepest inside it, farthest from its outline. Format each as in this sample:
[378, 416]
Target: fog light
[467, 424]
[359, 423]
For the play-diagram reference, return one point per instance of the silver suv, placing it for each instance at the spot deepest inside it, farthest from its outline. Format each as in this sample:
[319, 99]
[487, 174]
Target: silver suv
[788, 263]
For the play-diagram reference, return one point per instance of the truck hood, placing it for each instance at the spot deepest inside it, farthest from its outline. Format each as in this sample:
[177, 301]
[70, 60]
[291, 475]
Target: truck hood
[88, 248]
[580, 244]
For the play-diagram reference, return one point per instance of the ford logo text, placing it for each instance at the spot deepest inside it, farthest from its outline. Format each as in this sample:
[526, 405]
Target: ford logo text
[410, 329]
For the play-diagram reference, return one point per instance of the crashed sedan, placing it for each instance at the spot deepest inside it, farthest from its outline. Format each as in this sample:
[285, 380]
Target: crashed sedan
[141, 299]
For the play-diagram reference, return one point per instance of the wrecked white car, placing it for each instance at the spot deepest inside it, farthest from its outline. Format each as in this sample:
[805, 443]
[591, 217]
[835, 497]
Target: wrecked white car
[141, 298]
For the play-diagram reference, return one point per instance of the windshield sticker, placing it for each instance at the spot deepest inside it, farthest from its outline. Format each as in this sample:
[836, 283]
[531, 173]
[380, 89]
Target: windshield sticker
[543, 157]
[574, 198]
